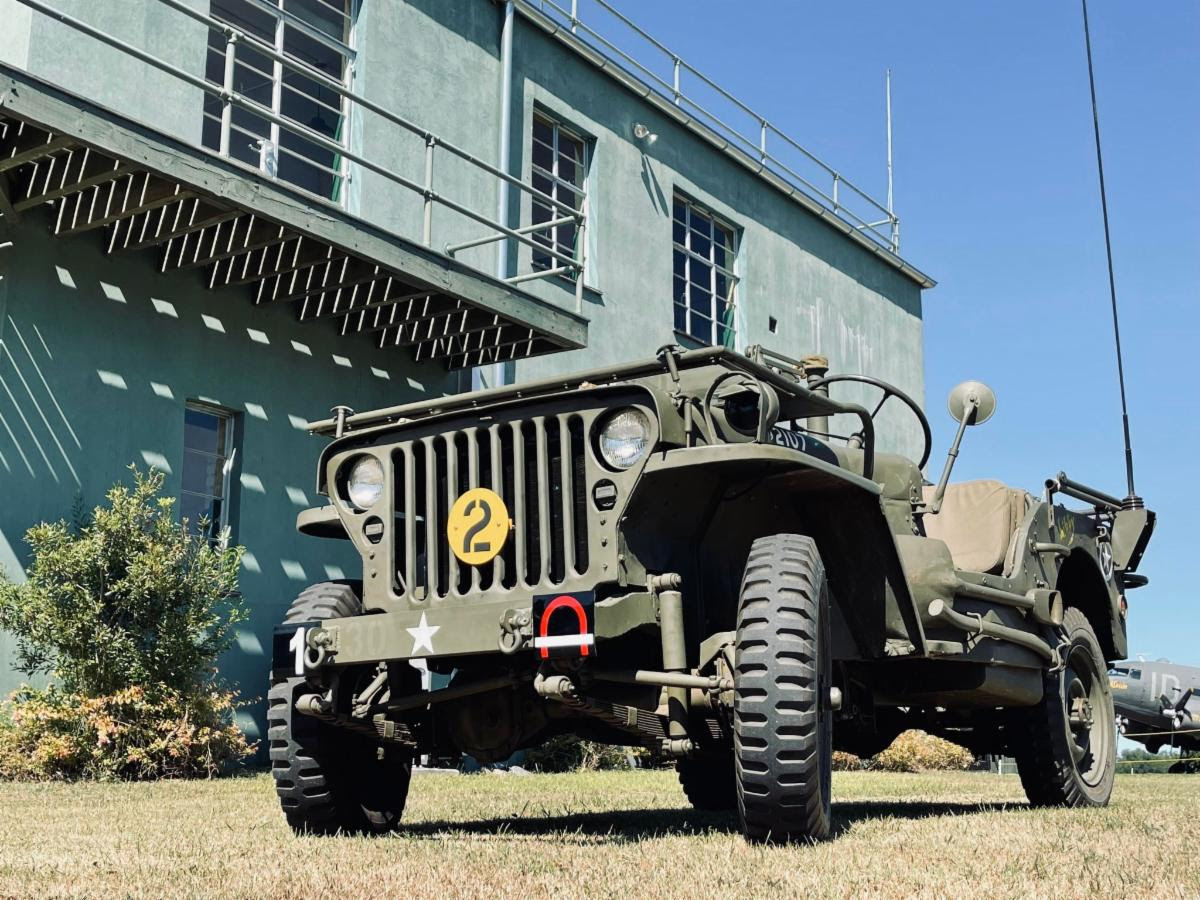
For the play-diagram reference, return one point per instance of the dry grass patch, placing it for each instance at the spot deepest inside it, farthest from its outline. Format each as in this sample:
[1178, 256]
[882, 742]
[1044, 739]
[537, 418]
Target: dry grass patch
[600, 834]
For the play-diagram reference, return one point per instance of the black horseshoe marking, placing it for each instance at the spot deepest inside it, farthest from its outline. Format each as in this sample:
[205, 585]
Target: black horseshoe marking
[482, 546]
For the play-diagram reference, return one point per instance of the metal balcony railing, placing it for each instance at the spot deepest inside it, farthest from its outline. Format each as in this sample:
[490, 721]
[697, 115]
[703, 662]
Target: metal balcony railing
[604, 29]
[424, 183]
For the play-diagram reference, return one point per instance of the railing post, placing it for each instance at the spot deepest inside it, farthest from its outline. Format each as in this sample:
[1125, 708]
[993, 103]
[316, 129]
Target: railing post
[574, 16]
[427, 228]
[227, 90]
[343, 163]
[762, 140]
[581, 236]
[895, 234]
[676, 79]
[836, 179]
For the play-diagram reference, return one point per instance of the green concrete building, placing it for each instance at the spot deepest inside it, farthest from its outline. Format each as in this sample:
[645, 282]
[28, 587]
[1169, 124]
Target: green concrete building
[221, 218]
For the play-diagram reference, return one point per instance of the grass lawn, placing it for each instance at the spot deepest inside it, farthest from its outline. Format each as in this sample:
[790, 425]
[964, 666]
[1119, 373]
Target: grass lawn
[603, 834]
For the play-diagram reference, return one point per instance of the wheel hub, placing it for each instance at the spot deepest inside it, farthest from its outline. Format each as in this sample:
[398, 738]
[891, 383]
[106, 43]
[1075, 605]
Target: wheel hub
[1083, 696]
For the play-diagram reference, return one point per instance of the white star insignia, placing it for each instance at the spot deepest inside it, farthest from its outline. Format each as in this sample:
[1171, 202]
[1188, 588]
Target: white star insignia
[423, 635]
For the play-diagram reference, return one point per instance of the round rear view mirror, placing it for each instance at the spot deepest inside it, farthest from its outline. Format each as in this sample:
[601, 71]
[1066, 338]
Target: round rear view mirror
[974, 400]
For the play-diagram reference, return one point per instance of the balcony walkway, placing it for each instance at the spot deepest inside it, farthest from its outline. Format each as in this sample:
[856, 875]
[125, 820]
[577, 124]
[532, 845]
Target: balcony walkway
[98, 169]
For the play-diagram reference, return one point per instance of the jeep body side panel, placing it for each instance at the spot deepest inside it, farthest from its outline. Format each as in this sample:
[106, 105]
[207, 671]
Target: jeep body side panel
[697, 510]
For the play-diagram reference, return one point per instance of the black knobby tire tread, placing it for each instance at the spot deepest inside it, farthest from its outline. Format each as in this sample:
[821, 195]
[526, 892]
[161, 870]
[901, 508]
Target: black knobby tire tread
[309, 760]
[1044, 758]
[707, 779]
[780, 726]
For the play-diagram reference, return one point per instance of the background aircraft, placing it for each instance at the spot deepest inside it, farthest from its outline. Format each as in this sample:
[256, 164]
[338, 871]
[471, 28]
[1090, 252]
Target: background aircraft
[1158, 704]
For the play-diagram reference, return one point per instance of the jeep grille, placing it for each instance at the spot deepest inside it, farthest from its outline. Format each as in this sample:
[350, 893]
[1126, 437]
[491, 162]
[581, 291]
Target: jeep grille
[536, 465]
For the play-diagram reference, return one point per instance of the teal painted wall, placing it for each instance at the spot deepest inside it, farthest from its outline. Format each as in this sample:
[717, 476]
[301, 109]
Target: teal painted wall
[106, 76]
[99, 356]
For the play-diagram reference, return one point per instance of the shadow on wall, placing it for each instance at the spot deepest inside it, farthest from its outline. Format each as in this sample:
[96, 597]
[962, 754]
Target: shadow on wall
[99, 356]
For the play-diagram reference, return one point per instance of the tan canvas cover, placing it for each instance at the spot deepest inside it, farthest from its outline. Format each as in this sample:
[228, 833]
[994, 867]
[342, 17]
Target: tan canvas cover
[977, 522]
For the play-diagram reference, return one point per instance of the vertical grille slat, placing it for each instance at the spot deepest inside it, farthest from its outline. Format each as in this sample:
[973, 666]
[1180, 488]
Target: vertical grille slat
[431, 517]
[518, 441]
[410, 520]
[536, 465]
[579, 492]
[450, 442]
[497, 484]
[566, 456]
[472, 436]
[543, 498]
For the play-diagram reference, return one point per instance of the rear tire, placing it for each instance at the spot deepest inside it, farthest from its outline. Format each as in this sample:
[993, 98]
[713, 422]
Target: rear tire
[782, 722]
[708, 779]
[330, 780]
[1069, 754]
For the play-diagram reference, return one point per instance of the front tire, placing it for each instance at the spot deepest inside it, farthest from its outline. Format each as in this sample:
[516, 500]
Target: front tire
[328, 779]
[782, 722]
[1069, 754]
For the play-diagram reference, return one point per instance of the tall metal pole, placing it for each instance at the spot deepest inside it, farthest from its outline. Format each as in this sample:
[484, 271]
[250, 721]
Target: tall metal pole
[1132, 499]
[894, 225]
[503, 163]
[888, 91]
[504, 149]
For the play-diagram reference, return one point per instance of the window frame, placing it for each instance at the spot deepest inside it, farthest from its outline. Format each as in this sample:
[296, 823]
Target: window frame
[228, 453]
[729, 270]
[581, 191]
[338, 171]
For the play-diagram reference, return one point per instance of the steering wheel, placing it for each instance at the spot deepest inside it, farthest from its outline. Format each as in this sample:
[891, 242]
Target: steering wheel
[889, 391]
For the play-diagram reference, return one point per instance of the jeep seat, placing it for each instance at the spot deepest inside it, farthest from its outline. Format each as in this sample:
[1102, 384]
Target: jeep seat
[978, 521]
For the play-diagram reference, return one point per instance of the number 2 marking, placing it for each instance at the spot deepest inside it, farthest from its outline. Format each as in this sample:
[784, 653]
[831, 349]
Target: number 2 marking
[297, 646]
[482, 546]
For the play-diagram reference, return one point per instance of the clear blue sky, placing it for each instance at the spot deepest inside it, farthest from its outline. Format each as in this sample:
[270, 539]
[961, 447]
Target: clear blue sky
[995, 184]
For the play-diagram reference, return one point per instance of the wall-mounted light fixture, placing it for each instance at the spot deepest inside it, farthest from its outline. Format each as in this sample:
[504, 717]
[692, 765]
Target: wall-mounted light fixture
[644, 134]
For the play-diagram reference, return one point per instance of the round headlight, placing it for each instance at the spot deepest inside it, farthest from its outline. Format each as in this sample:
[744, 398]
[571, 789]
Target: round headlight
[624, 438]
[365, 484]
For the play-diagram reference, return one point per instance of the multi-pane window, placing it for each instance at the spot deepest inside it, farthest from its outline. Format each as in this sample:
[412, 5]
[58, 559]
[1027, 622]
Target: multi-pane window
[315, 33]
[559, 160]
[207, 461]
[704, 287]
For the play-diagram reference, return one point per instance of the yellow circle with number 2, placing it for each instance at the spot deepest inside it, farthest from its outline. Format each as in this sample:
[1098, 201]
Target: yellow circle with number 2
[478, 526]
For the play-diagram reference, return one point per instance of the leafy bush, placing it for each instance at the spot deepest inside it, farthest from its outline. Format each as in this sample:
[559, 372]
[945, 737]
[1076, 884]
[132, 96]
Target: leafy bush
[567, 753]
[916, 751]
[846, 762]
[127, 735]
[127, 612]
[131, 597]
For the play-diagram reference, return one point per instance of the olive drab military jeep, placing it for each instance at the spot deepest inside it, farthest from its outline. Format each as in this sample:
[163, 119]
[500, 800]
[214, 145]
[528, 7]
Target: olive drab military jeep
[682, 553]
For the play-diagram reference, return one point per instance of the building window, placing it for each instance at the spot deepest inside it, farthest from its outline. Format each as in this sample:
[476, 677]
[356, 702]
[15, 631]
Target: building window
[559, 159]
[315, 33]
[704, 288]
[208, 454]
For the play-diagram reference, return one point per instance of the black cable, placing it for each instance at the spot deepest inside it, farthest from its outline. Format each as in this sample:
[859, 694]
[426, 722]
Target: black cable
[1112, 284]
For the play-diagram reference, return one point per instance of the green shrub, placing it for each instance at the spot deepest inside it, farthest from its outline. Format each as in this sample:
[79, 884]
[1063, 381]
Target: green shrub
[131, 597]
[131, 734]
[567, 753]
[916, 751]
[126, 612]
[846, 762]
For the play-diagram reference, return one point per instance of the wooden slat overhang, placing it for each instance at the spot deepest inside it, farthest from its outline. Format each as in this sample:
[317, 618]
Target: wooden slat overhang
[151, 193]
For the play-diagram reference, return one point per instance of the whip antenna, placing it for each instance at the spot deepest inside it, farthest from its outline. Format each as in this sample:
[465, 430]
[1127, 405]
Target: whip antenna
[1132, 500]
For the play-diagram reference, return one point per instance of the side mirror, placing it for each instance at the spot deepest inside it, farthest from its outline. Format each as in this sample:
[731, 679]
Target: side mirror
[970, 403]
